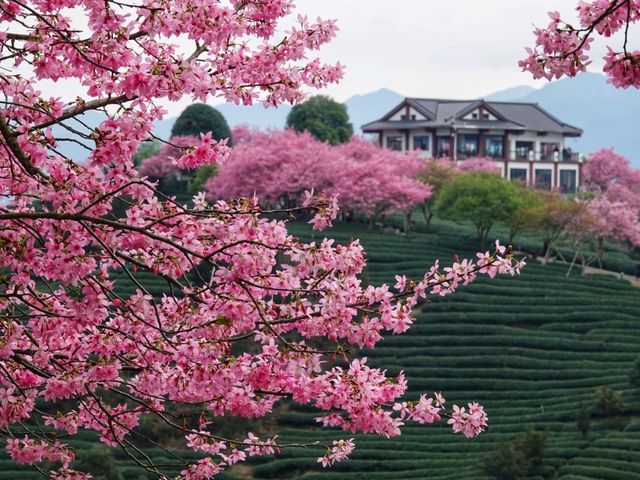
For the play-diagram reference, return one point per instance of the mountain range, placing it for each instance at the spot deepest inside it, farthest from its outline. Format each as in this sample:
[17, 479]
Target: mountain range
[609, 117]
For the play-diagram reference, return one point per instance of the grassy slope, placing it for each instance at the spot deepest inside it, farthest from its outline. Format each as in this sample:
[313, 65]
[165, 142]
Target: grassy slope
[532, 349]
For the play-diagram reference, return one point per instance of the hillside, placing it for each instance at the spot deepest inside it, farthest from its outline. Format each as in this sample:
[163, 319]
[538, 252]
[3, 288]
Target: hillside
[532, 349]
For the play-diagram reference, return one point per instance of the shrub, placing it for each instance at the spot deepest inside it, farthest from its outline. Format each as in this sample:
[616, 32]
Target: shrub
[607, 402]
[518, 457]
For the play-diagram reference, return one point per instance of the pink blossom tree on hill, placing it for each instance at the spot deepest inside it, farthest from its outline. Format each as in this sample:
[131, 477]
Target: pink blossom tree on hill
[78, 354]
[613, 202]
[279, 166]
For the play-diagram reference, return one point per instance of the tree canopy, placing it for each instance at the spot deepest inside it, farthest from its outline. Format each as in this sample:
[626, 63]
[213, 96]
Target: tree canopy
[324, 118]
[480, 198]
[201, 118]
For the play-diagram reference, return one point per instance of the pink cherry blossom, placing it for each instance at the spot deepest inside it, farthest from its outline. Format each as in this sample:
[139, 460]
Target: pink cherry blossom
[82, 332]
[563, 49]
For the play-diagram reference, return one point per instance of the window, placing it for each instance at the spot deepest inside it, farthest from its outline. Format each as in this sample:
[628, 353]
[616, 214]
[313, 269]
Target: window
[548, 150]
[413, 117]
[485, 116]
[523, 149]
[443, 146]
[543, 178]
[518, 174]
[421, 142]
[394, 142]
[474, 115]
[567, 181]
[468, 144]
[493, 146]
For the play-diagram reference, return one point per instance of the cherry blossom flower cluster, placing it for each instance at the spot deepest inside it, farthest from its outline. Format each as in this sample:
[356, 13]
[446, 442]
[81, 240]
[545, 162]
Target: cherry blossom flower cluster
[562, 49]
[247, 306]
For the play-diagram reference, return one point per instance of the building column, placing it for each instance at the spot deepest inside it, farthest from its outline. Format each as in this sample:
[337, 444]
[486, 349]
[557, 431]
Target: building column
[381, 139]
[531, 181]
[579, 181]
[505, 147]
[454, 154]
[480, 143]
[556, 180]
[407, 137]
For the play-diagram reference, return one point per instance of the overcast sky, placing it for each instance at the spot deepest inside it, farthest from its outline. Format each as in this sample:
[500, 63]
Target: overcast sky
[432, 48]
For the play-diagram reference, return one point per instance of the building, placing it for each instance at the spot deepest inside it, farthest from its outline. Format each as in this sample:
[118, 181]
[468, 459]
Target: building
[527, 142]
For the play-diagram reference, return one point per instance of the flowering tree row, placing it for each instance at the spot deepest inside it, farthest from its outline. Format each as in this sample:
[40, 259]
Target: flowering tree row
[248, 310]
[280, 165]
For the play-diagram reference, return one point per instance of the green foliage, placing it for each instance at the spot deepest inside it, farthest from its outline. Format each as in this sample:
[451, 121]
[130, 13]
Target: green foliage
[436, 173]
[324, 118]
[518, 457]
[200, 118]
[607, 402]
[583, 420]
[480, 198]
[98, 461]
[634, 376]
[146, 150]
[200, 177]
[523, 217]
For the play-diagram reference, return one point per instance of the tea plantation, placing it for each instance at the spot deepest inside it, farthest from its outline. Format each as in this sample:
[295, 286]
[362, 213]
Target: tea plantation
[532, 349]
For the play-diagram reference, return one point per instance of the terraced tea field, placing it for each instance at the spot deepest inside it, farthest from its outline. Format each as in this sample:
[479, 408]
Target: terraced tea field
[532, 349]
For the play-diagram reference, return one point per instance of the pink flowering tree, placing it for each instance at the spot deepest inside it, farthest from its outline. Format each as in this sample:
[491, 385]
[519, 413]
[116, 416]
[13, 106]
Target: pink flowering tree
[279, 166]
[613, 203]
[246, 307]
[378, 181]
[562, 48]
[477, 165]
[605, 168]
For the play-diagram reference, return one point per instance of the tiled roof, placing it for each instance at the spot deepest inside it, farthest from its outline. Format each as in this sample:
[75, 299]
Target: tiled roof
[448, 113]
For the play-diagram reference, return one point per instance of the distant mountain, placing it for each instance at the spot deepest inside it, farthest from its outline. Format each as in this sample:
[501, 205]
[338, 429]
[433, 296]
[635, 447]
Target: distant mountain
[510, 93]
[371, 106]
[609, 117]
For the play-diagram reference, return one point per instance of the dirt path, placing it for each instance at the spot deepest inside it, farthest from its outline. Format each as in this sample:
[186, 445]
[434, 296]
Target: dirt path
[620, 276]
[635, 282]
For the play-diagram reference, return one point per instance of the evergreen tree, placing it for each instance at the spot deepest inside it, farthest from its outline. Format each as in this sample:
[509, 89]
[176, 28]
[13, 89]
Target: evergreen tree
[322, 117]
[200, 118]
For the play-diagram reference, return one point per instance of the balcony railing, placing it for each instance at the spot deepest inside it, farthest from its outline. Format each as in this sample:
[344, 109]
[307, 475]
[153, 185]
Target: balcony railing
[537, 156]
